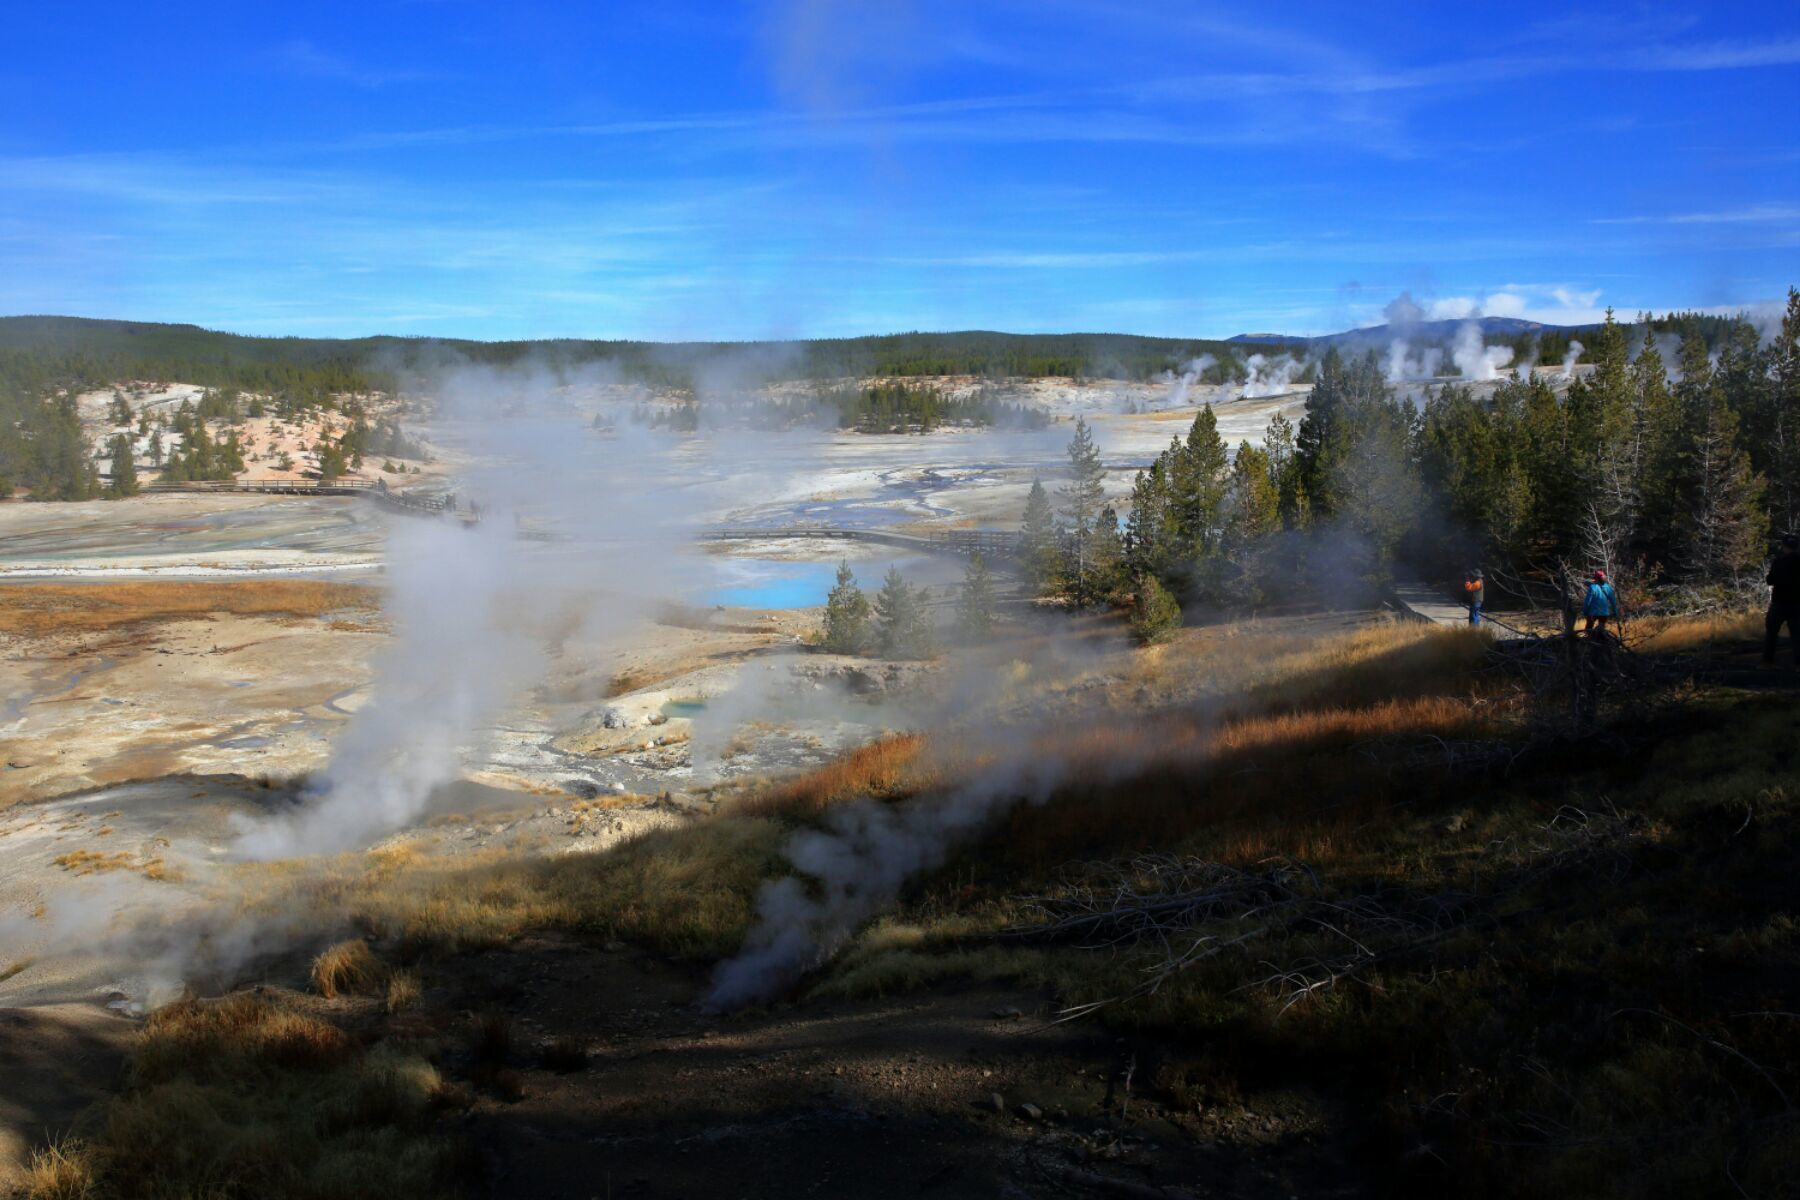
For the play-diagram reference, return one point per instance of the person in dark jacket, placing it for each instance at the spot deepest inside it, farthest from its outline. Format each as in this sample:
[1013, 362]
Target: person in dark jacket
[1601, 604]
[1784, 600]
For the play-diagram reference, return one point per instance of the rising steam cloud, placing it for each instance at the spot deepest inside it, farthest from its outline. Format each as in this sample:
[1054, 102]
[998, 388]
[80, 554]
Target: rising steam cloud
[1270, 376]
[472, 605]
[1478, 361]
[1178, 395]
[855, 867]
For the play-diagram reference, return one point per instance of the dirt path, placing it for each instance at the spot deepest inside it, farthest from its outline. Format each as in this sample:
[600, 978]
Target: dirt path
[960, 1091]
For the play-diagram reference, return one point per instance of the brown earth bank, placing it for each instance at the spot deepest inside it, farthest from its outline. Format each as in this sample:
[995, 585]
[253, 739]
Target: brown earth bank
[1427, 940]
[963, 1091]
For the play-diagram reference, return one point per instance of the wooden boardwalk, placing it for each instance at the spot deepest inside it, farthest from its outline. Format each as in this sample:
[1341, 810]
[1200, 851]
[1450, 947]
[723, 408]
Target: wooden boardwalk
[369, 489]
[1425, 603]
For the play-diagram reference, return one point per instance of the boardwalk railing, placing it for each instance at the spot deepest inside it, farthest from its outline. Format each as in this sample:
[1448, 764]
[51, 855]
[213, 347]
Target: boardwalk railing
[373, 489]
[277, 487]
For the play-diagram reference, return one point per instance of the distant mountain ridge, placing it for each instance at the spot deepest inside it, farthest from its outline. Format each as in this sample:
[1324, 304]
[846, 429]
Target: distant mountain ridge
[1424, 331]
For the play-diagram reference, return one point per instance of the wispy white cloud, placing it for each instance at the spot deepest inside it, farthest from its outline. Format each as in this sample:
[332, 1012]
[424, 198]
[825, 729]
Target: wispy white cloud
[1754, 214]
[1717, 56]
[302, 59]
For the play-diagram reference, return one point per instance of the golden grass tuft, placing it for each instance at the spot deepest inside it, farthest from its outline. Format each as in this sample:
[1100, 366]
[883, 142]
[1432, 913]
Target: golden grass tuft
[46, 608]
[63, 1170]
[348, 969]
[403, 992]
[93, 862]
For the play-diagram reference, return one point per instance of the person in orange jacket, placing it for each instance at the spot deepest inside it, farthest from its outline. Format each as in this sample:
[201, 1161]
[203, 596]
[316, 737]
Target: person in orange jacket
[1472, 595]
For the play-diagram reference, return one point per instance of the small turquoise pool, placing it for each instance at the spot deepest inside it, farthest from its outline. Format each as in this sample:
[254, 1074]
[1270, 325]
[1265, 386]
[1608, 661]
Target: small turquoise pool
[683, 708]
[773, 583]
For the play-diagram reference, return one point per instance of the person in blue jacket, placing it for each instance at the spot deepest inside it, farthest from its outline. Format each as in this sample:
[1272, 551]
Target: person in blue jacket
[1601, 605]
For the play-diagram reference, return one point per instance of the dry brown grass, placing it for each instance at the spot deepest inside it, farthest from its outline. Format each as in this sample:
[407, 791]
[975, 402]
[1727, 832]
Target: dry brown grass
[1237, 790]
[61, 1171]
[348, 969]
[46, 608]
[93, 862]
[257, 1094]
[1673, 635]
[881, 769]
[225, 1038]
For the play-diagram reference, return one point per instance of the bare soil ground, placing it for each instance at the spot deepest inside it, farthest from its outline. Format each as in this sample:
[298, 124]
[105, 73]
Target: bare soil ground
[963, 1091]
[56, 1062]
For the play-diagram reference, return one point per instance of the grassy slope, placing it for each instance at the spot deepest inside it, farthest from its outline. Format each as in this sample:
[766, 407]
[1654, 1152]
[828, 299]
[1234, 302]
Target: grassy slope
[1577, 972]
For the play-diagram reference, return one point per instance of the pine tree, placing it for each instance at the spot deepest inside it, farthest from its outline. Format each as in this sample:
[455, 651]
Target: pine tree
[1337, 411]
[1780, 434]
[231, 457]
[1656, 428]
[975, 604]
[1082, 498]
[1149, 538]
[846, 629]
[1376, 486]
[1199, 482]
[1108, 553]
[1154, 613]
[1041, 547]
[1722, 523]
[1284, 472]
[331, 461]
[124, 470]
[1253, 515]
[903, 624]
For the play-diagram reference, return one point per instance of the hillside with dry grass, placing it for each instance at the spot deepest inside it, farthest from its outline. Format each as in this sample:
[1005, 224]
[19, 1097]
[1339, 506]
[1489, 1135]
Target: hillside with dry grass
[1339, 899]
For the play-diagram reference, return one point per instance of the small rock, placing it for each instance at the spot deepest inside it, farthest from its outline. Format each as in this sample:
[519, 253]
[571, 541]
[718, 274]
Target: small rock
[617, 789]
[995, 1101]
[1030, 1112]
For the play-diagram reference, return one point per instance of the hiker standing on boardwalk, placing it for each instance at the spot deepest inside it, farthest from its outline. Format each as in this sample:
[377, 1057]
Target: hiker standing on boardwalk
[1601, 605]
[1784, 600]
[1472, 594]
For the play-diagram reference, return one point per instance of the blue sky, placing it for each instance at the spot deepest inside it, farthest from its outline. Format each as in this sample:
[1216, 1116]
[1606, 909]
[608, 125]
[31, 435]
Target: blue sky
[673, 169]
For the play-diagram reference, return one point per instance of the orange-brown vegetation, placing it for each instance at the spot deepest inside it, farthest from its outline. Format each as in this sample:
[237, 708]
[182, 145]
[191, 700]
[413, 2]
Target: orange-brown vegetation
[47, 608]
[882, 769]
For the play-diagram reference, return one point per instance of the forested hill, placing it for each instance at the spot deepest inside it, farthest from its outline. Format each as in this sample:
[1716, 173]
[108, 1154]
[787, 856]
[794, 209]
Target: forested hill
[99, 351]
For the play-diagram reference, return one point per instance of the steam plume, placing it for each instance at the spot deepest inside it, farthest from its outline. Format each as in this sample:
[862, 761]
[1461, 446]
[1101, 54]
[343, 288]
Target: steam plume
[1478, 361]
[857, 866]
[1270, 376]
[1191, 372]
[1568, 363]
